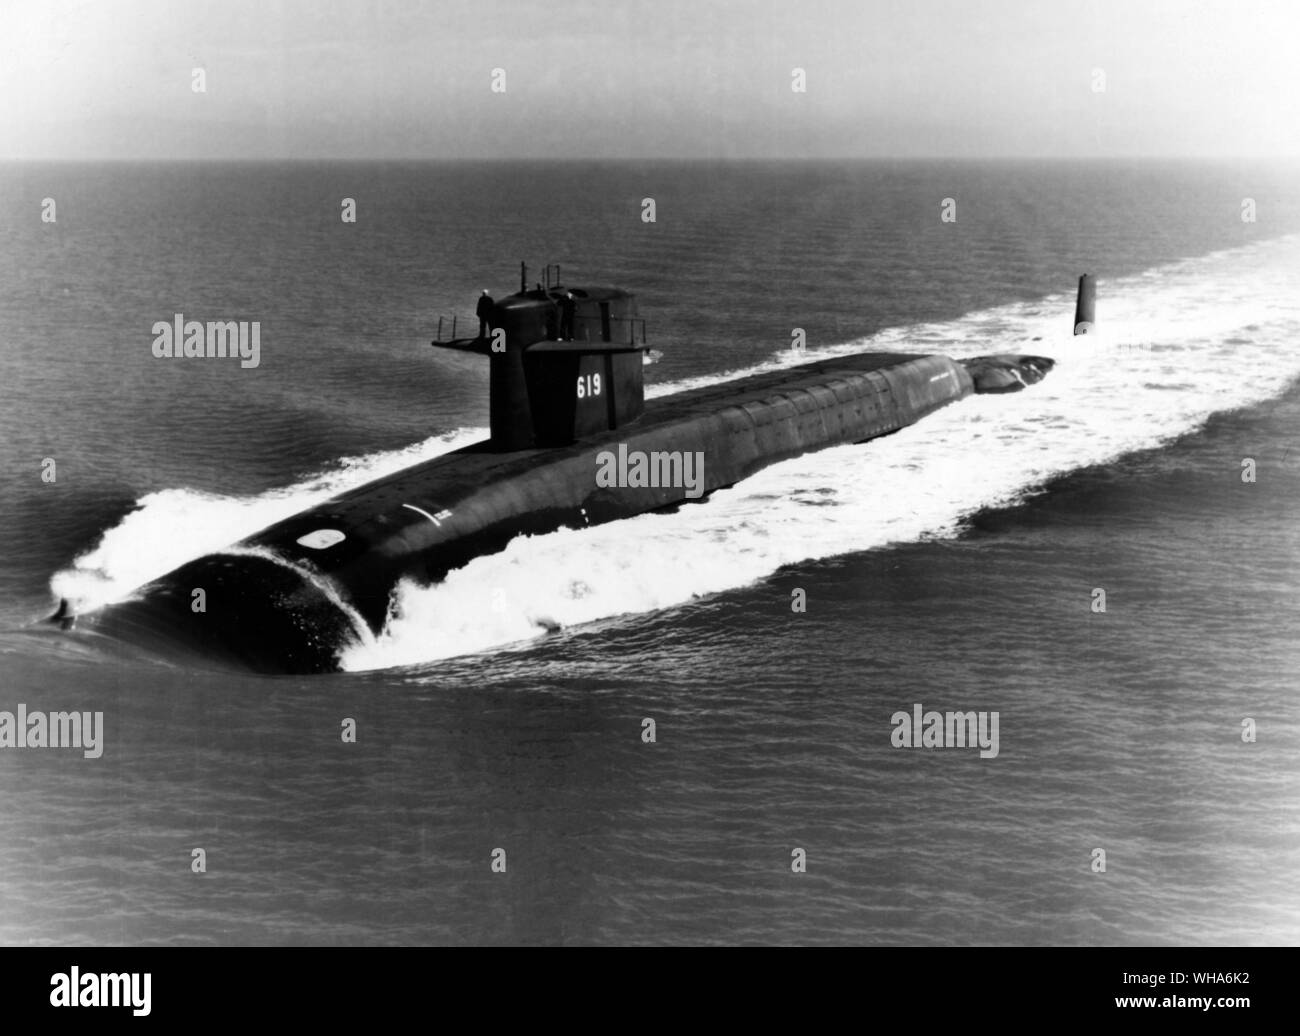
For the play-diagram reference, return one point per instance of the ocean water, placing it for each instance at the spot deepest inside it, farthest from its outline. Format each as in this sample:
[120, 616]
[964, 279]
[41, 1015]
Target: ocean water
[951, 565]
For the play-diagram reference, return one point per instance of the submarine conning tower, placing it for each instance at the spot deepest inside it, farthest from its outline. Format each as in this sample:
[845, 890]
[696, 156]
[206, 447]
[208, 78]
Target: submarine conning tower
[566, 362]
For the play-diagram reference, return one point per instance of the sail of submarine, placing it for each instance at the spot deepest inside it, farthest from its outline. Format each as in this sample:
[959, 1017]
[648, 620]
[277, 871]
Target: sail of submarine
[566, 394]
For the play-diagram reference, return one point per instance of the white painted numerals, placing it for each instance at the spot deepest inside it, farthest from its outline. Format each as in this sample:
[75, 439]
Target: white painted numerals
[588, 385]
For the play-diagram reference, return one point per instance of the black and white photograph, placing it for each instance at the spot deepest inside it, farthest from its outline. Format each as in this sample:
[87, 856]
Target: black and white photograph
[690, 473]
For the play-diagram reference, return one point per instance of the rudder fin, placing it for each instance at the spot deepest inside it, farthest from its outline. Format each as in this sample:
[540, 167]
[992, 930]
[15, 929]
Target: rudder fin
[1085, 306]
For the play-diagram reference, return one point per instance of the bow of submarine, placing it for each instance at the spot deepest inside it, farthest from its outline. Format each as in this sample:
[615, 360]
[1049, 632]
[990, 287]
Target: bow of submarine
[238, 610]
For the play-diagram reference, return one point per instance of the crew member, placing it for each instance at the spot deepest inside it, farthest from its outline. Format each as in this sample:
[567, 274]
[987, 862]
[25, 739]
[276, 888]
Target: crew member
[484, 313]
[566, 317]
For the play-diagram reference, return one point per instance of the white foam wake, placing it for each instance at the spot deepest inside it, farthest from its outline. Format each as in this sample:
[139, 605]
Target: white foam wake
[310, 574]
[173, 526]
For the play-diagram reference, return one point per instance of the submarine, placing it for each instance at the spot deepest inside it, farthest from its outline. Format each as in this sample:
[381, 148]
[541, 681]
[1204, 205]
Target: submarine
[572, 444]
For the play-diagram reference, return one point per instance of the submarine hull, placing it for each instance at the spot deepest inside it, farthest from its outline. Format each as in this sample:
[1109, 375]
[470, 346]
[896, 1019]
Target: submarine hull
[291, 597]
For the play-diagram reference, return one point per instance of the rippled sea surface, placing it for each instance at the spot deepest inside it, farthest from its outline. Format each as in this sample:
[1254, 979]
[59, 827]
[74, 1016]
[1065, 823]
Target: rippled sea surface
[954, 565]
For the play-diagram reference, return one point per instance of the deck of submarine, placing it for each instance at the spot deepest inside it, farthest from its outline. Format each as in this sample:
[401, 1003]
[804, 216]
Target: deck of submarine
[474, 465]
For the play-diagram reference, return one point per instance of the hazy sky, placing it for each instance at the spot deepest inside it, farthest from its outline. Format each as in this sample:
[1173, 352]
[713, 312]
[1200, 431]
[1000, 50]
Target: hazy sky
[645, 78]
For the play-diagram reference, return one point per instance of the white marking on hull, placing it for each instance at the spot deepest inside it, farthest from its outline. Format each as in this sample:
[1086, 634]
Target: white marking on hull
[321, 538]
[421, 510]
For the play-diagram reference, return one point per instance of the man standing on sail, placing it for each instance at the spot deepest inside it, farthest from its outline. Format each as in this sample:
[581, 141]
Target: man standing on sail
[484, 313]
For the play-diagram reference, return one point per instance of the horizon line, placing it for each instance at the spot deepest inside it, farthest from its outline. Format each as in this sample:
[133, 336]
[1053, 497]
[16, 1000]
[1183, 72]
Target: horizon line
[650, 159]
